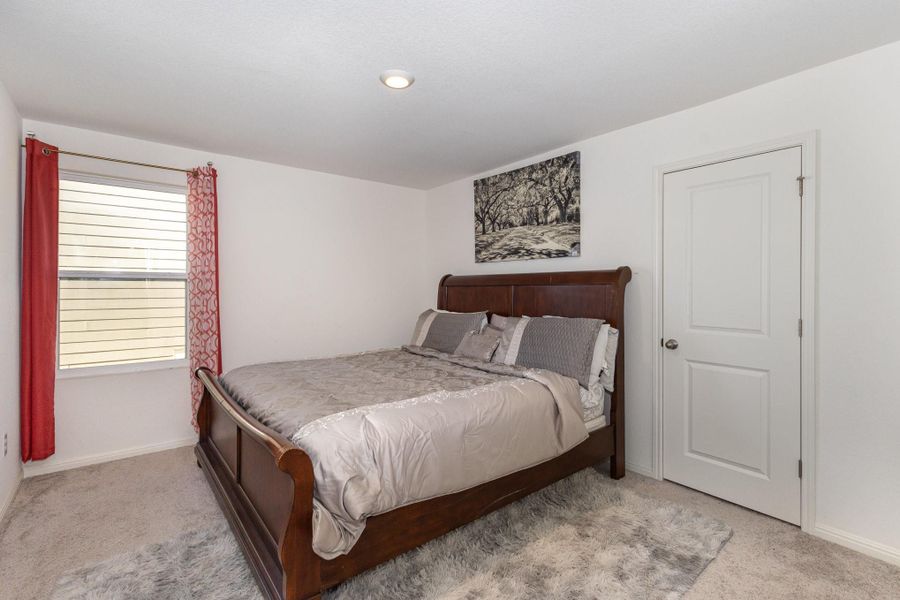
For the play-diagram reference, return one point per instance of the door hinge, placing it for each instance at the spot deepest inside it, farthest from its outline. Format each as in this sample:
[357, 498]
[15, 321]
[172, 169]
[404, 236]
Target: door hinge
[800, 181]
[800, 469]
[800, 327]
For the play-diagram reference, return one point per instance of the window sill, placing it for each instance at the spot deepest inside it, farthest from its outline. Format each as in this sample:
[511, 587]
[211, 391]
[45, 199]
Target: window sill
[102, 371]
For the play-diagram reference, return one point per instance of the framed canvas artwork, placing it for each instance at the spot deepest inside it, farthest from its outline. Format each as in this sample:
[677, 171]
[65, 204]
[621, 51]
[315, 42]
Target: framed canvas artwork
[531, 212]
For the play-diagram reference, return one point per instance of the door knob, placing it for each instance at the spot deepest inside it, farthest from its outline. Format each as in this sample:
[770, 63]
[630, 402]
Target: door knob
[671, 344]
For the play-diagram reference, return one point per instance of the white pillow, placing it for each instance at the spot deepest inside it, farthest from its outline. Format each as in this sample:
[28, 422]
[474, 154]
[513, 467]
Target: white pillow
[598, 362]
[608, 375]
[593, 397]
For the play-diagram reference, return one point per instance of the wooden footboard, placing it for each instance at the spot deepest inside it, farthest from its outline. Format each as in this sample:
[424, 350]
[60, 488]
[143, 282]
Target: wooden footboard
[264, 485]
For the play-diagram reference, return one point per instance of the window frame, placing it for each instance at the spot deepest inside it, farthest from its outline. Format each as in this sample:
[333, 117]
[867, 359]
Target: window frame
[135, 367]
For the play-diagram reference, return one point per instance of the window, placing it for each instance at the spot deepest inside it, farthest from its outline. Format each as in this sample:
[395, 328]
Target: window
[122, 272]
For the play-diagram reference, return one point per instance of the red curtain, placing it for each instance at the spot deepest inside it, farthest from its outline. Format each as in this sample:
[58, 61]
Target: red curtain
[205, 345]
[40, 258]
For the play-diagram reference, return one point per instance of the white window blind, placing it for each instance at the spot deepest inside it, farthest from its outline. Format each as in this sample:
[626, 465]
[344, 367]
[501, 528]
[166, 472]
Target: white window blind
[122, 273]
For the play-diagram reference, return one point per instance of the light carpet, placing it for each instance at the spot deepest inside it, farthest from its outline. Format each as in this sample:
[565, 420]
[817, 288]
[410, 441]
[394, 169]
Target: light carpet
[584, 537]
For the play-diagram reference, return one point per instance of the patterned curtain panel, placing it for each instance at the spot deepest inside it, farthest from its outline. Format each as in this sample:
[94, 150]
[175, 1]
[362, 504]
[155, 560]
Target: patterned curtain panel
[204, 344]
[40, 256]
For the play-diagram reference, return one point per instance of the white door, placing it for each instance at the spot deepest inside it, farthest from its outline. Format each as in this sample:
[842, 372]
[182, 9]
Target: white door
[731, 310]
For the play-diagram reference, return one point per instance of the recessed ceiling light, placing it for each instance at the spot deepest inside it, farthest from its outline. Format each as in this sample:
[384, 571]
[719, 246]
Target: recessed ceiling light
[397, 79]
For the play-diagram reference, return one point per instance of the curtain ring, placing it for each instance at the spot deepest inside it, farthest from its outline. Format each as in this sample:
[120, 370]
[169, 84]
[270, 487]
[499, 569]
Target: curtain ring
[45, 151]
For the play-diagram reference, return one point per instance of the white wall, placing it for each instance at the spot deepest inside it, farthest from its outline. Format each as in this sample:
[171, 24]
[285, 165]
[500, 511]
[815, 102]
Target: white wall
[311, 264]
[10, 156]
[854, 105]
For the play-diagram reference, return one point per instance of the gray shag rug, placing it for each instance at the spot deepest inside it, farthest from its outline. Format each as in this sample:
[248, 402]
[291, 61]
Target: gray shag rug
[583, 537]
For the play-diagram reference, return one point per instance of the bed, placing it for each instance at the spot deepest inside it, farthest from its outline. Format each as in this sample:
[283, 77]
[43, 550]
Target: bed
[264, 482]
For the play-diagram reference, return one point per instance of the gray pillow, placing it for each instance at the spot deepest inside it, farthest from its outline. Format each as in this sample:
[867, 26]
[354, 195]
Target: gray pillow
[479, 345]
[512, 327]
[565, 346]
[443, 331]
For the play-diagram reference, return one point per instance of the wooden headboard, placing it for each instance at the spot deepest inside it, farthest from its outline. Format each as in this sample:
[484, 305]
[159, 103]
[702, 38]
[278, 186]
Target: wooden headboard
[591, 294]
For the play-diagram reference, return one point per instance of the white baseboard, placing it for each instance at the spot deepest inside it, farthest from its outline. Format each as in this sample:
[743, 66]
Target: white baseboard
[858, 543]
[639, 469]
[44, 467]
[7, 502]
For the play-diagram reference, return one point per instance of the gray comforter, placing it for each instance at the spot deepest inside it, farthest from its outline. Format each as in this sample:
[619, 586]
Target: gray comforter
[393, 427]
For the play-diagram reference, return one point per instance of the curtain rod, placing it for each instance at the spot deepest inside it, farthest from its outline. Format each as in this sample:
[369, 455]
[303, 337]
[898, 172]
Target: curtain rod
[119, 160]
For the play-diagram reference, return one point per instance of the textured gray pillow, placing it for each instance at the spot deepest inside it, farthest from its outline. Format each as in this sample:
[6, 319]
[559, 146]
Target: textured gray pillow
[443, 331]
[479, 345]
[565, 346]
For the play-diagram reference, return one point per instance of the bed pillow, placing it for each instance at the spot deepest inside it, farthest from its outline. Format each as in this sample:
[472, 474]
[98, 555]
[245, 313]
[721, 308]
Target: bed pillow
[598, 360]
[594, 396]
[443, 331]
[480, 345]
[500, 322]
[512, 328]
[563, 345]
[608, 375]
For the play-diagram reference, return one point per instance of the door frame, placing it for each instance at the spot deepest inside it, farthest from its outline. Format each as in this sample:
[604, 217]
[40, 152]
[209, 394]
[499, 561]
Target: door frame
[808, 144]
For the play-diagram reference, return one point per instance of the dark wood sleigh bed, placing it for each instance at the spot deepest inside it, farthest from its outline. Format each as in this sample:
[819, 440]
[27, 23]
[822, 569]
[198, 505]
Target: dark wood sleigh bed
[264, 483]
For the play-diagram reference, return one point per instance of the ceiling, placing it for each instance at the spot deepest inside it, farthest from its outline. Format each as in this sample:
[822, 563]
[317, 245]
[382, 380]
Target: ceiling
[296, 82]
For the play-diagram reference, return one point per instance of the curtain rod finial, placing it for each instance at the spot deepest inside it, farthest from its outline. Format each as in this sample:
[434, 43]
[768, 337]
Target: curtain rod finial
[209, 164]
[30, 134]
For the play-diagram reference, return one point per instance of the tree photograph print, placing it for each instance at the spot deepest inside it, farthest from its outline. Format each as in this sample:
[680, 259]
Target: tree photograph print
[532, 212]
